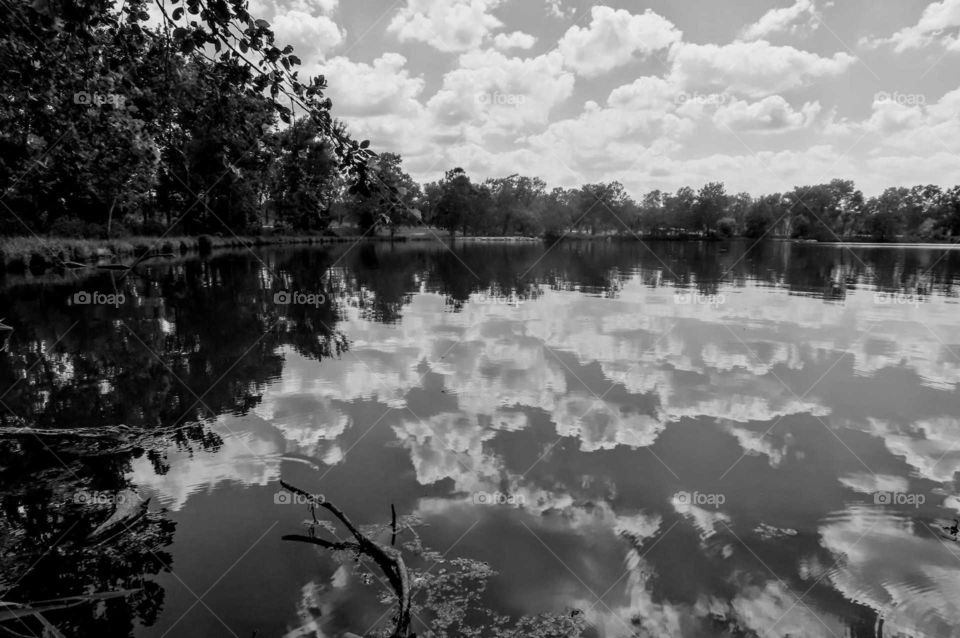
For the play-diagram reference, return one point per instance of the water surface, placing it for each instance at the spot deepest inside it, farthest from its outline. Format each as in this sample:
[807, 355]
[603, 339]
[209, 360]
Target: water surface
[678, 439]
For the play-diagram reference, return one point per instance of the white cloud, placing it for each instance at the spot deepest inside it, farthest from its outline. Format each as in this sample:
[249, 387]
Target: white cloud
[382, 87]
[555, 9]
[306, 24]
[496, 109]
[601, 425]
[774, 610]
[790, 19]
[754, 68]
[446, 25]
[264, 8]
[641, 117]
[708, 522]
[771, 114]
[935, 127]
[929, 446]
[613, 38]
[312, 36]
[896, 567]
[938, 23]
[515, 40]
[496, 93]
[867, 483]
[248, 456]
[909, 123]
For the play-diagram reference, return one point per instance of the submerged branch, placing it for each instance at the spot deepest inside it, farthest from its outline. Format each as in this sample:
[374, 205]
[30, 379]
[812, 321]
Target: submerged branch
[388, 559]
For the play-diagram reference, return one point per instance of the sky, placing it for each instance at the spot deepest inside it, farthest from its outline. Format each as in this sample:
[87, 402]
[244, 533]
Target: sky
[655, 93]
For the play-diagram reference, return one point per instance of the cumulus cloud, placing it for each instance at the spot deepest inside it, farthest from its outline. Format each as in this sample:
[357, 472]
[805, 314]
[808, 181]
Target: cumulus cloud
[641, 116]
[312, 36]
[938, 24]
[446, 25]
[774, 610]
[493, 91]
[385, 86]
[613, 38]
[755, 68]
[495, 113]
[556, 9]
[306, 24]
[908, 123]
[262, 8]
[601, 425]
[771, 114]
[801, 14]
[929, 446]
[249, 456]
[515, 40]
[895, 567]
[869, 483]
[380, 101]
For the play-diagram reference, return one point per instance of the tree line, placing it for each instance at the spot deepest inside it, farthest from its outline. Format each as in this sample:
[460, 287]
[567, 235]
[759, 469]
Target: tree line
[833, 211]
[112, 124]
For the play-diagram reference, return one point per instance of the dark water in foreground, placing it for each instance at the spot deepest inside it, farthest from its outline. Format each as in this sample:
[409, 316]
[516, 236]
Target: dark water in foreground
[679, 440]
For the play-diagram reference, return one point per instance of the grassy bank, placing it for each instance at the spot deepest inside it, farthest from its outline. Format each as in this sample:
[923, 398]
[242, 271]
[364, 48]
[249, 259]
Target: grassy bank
[38, 254]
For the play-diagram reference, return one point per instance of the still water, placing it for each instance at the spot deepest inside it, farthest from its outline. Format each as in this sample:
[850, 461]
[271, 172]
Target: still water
[675, 439]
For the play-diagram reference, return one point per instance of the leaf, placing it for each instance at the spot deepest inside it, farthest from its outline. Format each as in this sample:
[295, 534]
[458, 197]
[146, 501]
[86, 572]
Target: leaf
[365, 144]
[263, 24]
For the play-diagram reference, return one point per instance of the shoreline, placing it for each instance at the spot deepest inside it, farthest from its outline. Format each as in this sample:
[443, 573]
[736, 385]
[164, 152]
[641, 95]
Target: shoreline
[19, 255]
[872, 244]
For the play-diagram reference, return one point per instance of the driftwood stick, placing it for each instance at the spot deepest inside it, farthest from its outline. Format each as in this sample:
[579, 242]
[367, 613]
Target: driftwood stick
[388, 559]
[313, 540]
[393, 525]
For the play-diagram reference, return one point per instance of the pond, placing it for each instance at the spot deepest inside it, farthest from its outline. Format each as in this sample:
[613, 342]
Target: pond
[669, 439]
